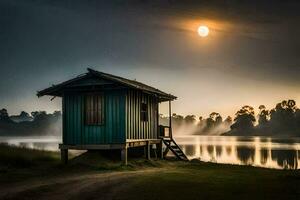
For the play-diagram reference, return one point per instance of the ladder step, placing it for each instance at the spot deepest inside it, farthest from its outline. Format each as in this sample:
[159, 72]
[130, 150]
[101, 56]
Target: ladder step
[171, 144]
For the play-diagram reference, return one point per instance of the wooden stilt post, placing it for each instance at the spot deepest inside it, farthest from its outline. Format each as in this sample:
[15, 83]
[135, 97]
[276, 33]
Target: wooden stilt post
[124, 155]
[148, 150]
[160, 150]
[64, 156]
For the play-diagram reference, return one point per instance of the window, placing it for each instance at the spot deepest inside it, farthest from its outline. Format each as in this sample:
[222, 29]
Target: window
[94, 109]
[144, 112]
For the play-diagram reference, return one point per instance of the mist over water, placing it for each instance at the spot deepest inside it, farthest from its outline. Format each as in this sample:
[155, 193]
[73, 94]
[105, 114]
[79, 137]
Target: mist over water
[278, 153]
[186, 129]
[33, 142]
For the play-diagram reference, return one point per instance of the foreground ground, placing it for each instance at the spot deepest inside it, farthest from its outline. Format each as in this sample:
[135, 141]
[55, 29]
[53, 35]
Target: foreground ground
[31, 174]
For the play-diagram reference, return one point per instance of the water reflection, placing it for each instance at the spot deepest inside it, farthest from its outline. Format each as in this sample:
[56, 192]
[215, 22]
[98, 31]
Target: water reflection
[256, 151]
[41, 142]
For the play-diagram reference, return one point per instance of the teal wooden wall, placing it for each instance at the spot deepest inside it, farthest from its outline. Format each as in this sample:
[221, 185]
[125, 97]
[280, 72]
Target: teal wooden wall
[135, 128]
[75, 132]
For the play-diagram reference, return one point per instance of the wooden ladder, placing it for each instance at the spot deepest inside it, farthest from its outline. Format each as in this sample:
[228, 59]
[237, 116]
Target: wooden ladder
[173, 146]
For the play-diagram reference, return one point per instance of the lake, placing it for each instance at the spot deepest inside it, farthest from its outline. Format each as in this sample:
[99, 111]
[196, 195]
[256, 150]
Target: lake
[33, 142]
[279, 153]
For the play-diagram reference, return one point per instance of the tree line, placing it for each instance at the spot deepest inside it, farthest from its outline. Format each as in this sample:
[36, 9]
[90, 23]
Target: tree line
[282, 120]
[35, 123]
[213, 125]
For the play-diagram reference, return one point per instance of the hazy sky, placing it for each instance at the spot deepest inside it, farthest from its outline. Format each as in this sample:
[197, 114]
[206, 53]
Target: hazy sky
[251, 55]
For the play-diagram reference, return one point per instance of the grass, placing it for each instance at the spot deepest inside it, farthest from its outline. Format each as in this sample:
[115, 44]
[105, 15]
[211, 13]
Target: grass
[169, 180]
[19, 163]
[22, 157]
[212, 181]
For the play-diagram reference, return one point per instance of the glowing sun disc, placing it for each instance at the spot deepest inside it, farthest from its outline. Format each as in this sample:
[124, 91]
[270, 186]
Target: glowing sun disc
[203, 31]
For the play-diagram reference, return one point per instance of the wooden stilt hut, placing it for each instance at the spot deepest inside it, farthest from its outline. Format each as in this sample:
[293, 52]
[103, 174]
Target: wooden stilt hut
[103, 111]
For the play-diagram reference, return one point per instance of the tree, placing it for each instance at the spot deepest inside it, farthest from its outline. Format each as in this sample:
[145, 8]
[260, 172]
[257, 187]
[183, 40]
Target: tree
[218, 120]
[39, 115]
[263, 116]
[4, 115]
[214, 120]
[282, 117]
[190, 119]
[297, 120]
[244, 120]
[57, 113]
[228, 121]
[201, 123]
[177, 119]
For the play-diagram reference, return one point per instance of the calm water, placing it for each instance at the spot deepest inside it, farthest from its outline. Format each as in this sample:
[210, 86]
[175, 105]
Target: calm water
[33, 142]
[276, 153]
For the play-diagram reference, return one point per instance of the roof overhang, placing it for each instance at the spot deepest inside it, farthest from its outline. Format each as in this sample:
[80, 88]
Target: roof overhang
[59, 89]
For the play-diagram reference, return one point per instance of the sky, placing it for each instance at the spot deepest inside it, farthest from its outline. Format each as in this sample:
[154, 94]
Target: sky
[250, 57]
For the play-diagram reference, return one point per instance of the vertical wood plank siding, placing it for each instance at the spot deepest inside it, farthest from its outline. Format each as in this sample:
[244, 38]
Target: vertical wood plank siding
[77, 132]
[135, 128]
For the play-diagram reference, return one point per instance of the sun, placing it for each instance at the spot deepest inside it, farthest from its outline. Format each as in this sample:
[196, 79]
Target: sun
[203, 31]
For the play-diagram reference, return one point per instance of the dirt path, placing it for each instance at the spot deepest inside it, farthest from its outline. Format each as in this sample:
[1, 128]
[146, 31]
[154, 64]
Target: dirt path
[88, 186]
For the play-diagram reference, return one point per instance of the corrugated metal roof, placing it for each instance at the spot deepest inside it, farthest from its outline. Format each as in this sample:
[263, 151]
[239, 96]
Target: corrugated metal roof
[55, 90]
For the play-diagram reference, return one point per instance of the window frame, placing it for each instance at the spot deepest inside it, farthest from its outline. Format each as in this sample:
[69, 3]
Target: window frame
[144, 112]
[92, 118]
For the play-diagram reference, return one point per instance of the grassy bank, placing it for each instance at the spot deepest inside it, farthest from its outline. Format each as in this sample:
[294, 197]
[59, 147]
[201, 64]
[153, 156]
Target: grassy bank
[94, 176]
[211, 181]
[18, 163]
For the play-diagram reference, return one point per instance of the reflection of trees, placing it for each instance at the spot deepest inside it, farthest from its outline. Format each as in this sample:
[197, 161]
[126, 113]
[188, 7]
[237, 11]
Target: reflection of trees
[257, 155]
[285, 158]
[245, 154]
[190, 150]
[210, 150]
[201, 150]
[228, 150]
[263, 156]
[219, 150]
